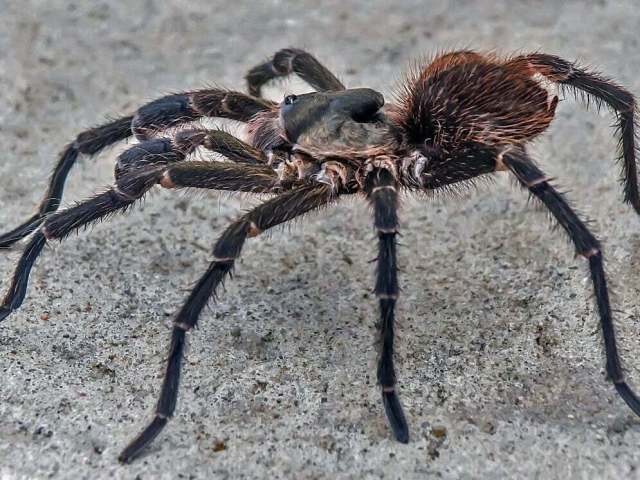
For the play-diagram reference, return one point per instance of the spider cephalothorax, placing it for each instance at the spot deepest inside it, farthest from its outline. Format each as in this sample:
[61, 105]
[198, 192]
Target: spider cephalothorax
[461, 116]
[331, 136]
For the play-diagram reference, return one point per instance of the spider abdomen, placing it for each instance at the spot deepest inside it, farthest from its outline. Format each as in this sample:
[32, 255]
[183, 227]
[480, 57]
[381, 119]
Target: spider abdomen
[475, 100]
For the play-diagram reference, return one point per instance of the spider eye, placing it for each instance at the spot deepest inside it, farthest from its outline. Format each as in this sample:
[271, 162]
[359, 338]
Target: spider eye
[290, 99]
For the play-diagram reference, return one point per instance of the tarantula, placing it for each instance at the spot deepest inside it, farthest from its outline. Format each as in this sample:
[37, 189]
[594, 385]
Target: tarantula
[462, 115]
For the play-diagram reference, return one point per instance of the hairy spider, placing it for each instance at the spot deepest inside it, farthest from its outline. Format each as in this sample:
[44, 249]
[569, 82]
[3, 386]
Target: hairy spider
[462, 115]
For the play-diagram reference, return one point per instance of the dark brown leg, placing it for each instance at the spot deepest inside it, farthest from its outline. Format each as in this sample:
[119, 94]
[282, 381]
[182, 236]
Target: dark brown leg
[382, 191]
[128, 189]
[278, 210]
[288, 61]
[164, 151]
[154, 117]
[601, 90]
[532, 178]
[223, 143]
[89, 142]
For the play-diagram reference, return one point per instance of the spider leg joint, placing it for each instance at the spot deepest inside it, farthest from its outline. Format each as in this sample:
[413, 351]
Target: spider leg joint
[166, 181]
[253, 230]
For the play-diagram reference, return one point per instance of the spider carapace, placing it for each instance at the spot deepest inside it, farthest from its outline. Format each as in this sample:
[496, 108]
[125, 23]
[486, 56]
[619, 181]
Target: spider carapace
[463, 115]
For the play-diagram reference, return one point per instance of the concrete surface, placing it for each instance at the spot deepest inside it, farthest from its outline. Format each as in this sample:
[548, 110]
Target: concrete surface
[500, 359]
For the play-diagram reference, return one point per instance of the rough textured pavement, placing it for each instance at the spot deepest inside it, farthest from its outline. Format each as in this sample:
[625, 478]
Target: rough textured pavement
[500, 359]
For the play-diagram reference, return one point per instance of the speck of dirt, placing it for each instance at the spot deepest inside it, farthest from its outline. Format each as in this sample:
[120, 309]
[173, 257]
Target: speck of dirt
[439, 431]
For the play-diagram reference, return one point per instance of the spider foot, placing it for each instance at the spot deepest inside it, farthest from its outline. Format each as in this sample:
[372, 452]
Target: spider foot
[142, 440]
[628, 396]
[4, 312]
[393, 409]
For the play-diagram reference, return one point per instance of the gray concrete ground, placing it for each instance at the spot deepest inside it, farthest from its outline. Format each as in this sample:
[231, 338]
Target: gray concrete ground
[500, 358]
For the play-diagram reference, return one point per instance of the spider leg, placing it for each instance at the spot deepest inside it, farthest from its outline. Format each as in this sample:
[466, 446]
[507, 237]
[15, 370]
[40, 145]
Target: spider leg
[280, 209]
[381, 189]
[181, 108]
[288, 61]
[223, 143]
[602, 90]
[158, 115]
[128, 189]
[88, 142]
[162, 151]
[436, 170]
[532, 178]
